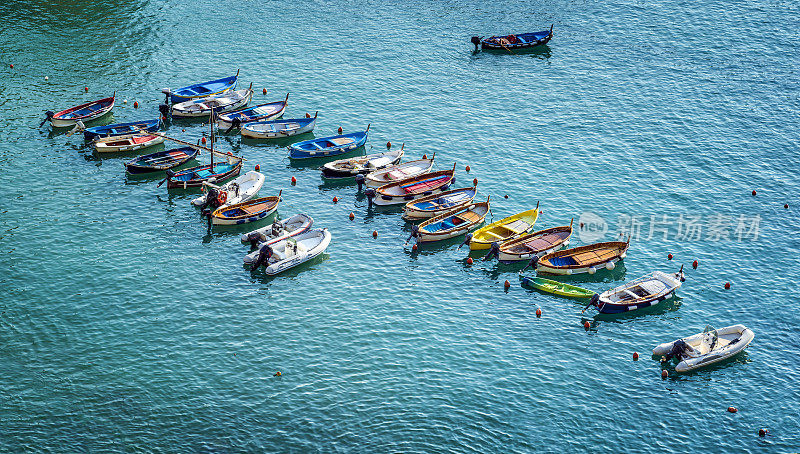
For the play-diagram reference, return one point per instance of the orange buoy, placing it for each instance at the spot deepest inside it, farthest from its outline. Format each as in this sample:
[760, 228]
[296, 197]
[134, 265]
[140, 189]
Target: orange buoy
[183, 130]
[469, 261]
[335, 199]
[727, 286]
[732, 410]
[388, 145]
[538, 312]
[86, 89]
[277, 374]
[203, 139]
[308, 115]
[163, 118]
[636, 356]
[694, 264]
[467, 169]
[754, 192]
[136, 104]
[258, 167]
[12, 65]
[586, 325]
[264, 91]
[294, 181]
[541, 211]
[474, 181]
[414, 247]
[506, 284]
[374, 234]
[664, 374]
[340, 129]
[424, 156]
[352, 216]
[669, 256]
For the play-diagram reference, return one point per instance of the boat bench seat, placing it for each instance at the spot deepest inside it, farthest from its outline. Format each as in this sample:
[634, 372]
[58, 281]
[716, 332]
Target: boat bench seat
[518, 226]
[491, 234]
[469, 216]
[342, 140]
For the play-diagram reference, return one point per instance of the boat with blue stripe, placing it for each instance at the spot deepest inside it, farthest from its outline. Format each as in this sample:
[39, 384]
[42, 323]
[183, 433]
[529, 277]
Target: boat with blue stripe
[202, 89]
[518, 41]
[451, 223]
[436, 204]
[328, 146]
[261, 112]
[121, 129]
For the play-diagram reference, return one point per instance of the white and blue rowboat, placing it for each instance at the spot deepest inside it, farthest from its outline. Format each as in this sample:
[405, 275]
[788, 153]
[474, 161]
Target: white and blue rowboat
[117, 129]
[279, 129]
[84, 112]
[706, 348]
[404, 191]
[538, 244]
[245, 212]
[436, 204]
[518, 41]
[451, 223]
[399, 172]
[277, 231]
[202, 107]
[262, 112]
[640, 293]
[583, 259]
[361, 165]
[285, 254]
[129, 142]
[202, 90]
[328, 146]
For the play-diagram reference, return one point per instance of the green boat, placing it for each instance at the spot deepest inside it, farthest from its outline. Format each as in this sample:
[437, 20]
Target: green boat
[557, 288]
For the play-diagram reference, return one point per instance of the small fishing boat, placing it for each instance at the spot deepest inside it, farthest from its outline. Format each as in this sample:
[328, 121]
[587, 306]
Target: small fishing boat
[128, 142]
[278, 129]
[240, 189]
[117, 129]
[328, 146]
[504, 229]
[583, 259]
[293, 251]
[518, 41]
[399, 172]
[436, 204]
[195, 176]
[277, 231]
[537, 243]
[261, 112]
[202, 90]
[85, 112]
[556, 288]
[640, 293]
[202, 107]
[452, 223]
[242, 213]
[706, 348]
[161, 160]
[361, 165]
[412, 188]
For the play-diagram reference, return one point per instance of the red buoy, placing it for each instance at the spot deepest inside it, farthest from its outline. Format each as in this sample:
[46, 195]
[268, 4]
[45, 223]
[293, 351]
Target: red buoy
[694, 264]
[352, 216]
[467, 169]
[754, 192]
[727, 286]
[86, 89]
[762, 432]
[635, 356]
[136, 104]
[258, 167]
[264, 91]
[388, 145]
[474, 181]
[163, 118]
[505, 196]
[669, 256]
[785, 205]
[664, 374]
[183, 130]
[586, 325]
[424, 156]
[414, 247]
[12, 65]
[294, 181]
[335, 199]
[203, 139]
[507, 284]
[308, 115]
[374, 234]
[277, 374]
[732, 410]
[538, 312]
[469, 261]
[340, 129]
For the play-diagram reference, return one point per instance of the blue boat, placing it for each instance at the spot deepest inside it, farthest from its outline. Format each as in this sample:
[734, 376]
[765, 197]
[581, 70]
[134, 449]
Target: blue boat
[119, 129]
[328, 146]
[519, 41]
[263, 112]
[161, 160]
[203, 89]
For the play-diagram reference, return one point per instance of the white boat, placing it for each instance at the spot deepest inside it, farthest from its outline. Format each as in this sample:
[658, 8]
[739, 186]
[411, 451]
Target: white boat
[399, 172]
[285, 254]
[640, 293]
[277, 231]
[128, 142]
[706, 348]
[361, 165]
[278, 129]
[202, 107]
[241, 189]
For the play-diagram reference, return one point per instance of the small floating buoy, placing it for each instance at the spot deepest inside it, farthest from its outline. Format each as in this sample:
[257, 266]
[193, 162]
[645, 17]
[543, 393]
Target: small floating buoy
[203, 139]
[308, 115]
[506, 284]
[586, 325]
[86, 89]
[340, 129]
[163, 118]
[786, 205]
[754, 192]
[538, 312]
[124, 101]
[762, 432]
[424, 156]
[388, 145]
[258, 167]
[183, 130]
[664, 374]
[264, 91]
[374, 234]
[414, 247]
[727, 286]
[335, 199]
[12, 65]
[474, 181]
[46, 78]
[732, 410]
[352, 216]
[669, 256]
[469, 261]
[136, 104]
[581, 224]
[294, 181]
[541, 211]
[505, 196]
[277, 374]
[467, 169]
[636, 356]
[694, 264]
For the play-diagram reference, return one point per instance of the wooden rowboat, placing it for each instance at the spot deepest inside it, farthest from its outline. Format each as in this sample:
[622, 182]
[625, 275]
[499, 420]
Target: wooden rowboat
[412, 188]
[518, 41]
[399, 172]
[278, 129]
[452, 223]
[85, 112]
[202, 107]
[261, 112]
[120, 129]
[537, 243]
[328, 146]
[250, 211]
[583, 259]
[361, 165]
[128, 142]
[161, 160]
[640, 293]
[436, 204]
[505, 229]
[195, 176]
[556, 288]
[202, 89]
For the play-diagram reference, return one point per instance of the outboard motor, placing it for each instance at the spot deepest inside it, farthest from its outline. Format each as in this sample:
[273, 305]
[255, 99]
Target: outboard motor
[414, 233]
[165, 110]
[494, 251]
[207, 214]
[678, 348]
[166, 92]
[234, 124]
[360, 179]
[593, 301]
[476, 41]
[532, 263]
[276, 229]
[254, 238]
[467, 239]
[48, 116]
[370, 193]
[263, 256]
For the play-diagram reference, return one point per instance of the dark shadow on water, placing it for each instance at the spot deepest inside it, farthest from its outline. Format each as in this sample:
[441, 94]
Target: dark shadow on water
[278, 143]
[738, 360]
[539, 52]
[260, 276]
[602, 275]
[319, 162]
[153, 177]
[226, 231]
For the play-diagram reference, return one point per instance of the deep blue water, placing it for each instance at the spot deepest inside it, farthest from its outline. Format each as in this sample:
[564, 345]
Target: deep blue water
[127, 327]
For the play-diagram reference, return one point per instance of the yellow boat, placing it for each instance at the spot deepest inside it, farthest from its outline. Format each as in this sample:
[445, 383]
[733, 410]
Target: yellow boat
[504, 229]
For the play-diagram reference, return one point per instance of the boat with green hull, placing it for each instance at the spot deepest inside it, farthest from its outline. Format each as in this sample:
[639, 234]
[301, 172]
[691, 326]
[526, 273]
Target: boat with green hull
[556, 288]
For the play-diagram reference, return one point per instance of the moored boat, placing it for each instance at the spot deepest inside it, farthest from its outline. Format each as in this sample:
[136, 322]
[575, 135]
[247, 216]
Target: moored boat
[242, 213]
[556, 288]
[328, 146]
[277, 231]
[221, 103]
[262, 112]
[399, 172]
[202, 89]
[706, 348]
[436, 204]
[161, 160]
[583, 259]
[129, 142]
[403, 191]
[361, 165]
[536, 243]
[518, 41]
[504, 229]
[84, 112]
[640, 293]
[240, 189]
[278, 129]
[451, 223]
[195, 176]
[293, 251]
[118, 129]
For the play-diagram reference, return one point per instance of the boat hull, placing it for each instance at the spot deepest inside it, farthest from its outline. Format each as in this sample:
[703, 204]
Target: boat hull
[737, 337]
[135, 168]
[556, 288]
[297, 151]
[98, 109]
[225, 121]
[203, 89]
[121, 129]
[530, 40]
[198, 182]
[182, 110]
[295, 260]
[349, 168]
[420, 167]
[414, 210]
[251, 133]
[563, 262]
[239, 190]
[110, 147]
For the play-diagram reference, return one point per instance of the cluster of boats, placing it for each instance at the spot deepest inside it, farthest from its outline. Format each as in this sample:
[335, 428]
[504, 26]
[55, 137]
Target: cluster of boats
[435, 210]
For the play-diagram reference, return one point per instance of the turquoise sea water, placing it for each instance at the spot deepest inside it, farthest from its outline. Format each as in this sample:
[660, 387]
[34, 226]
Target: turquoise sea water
[125, 326]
